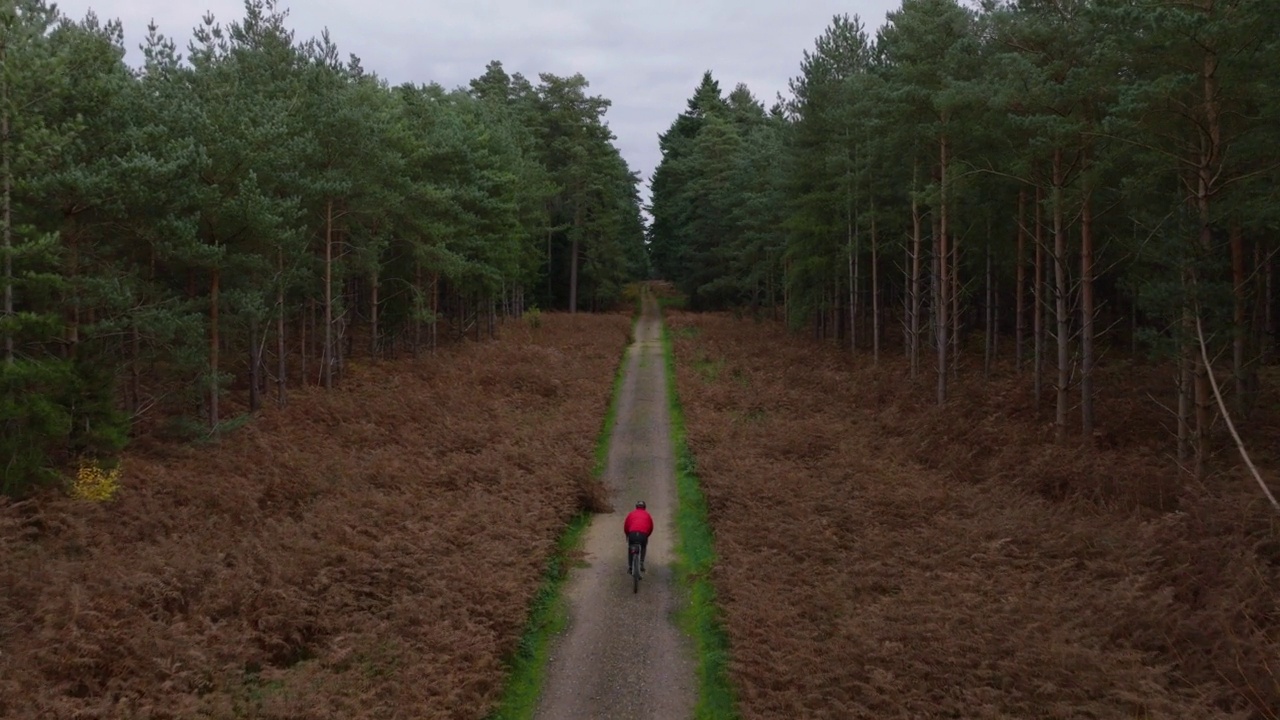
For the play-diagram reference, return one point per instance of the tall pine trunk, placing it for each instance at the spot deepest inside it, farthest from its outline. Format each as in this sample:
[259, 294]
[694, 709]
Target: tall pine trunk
[213, 350]
[917, 300]
[327, 355]
[282, 362]
[6, 149]
[255, 366]
[373, 313]
[1060, 298]
[942, 254]
[853, 289]
[70, 234]
[875, 289]
[1210, 154]
[1038, 313]
[954, 280]
[435, 311]
[917, 242]
[1020, 291]
[1262, 302]
[988, 343]
[1086, 313]
[1240, 330]
[573, 260]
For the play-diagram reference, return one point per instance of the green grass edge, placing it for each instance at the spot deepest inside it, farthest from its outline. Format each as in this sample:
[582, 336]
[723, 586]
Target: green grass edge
[695, 556]
[547, 613]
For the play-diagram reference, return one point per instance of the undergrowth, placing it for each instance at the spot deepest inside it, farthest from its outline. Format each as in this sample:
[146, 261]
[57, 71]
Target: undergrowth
[547, 617]
[695, 554]
[932, 562]
[366, 552]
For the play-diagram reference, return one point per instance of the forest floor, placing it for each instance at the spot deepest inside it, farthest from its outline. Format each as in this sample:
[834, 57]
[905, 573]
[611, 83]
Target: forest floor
[621, 655]
[367, 552]
[879, 557]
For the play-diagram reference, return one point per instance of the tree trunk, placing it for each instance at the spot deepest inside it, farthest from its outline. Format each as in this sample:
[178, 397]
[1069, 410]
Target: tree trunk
[1206, 172]
[907, 321]
[954, 281]
[1261, 303]
[6, 149]
[303, 339]
[573, 261]
[1060, 299]
[853, 289]
[1086, 313]
[1037, 314]
[944, 296]
[1268, 315]
[550, 289]
[213, 350]
[1186, 373]
[71, 235]
[1240, 331]
[373, 314]
[989, 334]
[875, 289]
[935, 272]
[327, 354]
[1020, 291]
[135, 369]
[282, 358]
[917, 247]
[435, 311]
[255, 367]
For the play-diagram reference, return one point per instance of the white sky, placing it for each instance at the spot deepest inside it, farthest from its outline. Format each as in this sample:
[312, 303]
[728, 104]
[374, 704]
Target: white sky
[646, 57]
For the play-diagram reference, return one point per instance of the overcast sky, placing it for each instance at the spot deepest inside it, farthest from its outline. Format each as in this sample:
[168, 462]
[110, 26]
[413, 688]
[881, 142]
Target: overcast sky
[646, 57]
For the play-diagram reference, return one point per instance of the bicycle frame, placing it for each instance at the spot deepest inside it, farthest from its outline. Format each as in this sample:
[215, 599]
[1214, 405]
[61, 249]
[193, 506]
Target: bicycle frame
[633, 553]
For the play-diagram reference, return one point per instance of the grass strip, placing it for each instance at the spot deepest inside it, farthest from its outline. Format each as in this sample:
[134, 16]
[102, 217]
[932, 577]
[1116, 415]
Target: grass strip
[548, 613]
[695, 556]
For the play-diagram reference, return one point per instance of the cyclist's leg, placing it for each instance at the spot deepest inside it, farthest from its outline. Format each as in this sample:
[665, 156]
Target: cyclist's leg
[644, 549]
[633, 538]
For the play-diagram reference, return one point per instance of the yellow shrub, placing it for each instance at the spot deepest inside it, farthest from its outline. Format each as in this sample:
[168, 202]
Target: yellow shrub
[94, 483]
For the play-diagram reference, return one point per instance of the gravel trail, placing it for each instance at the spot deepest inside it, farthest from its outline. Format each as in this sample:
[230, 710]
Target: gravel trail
[622, 655]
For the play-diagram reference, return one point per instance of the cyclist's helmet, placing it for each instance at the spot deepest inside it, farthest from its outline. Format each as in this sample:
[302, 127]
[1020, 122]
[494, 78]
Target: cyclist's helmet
[640, 504]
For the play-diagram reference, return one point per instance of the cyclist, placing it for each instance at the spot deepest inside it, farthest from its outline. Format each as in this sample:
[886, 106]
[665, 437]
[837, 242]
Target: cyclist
[638, 527]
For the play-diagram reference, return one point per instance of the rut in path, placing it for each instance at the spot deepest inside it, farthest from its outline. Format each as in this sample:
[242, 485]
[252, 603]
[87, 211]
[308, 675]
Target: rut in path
[622, 655]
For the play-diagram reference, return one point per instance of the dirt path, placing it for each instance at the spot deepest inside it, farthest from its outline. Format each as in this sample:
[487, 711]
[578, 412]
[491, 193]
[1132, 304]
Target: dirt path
[622, 655]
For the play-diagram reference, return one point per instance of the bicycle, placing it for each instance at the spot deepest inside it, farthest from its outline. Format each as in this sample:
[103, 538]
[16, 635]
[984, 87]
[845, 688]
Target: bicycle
[633, 560]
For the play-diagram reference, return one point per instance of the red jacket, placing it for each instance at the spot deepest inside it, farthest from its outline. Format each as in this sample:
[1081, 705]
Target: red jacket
[638, 520]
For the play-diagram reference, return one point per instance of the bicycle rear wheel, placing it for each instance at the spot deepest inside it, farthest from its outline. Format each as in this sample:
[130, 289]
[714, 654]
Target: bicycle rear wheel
[635, 568]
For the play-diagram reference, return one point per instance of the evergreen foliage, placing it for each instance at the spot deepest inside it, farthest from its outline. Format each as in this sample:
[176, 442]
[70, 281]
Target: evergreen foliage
[1083, 175]
[187, 238]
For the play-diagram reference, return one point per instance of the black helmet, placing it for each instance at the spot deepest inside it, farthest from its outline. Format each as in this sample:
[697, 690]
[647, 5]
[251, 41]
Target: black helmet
[640, 504]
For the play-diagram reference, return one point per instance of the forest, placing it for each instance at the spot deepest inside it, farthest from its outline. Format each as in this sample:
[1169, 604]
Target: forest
[1057, 183]
[187, 240]
[979, 318]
